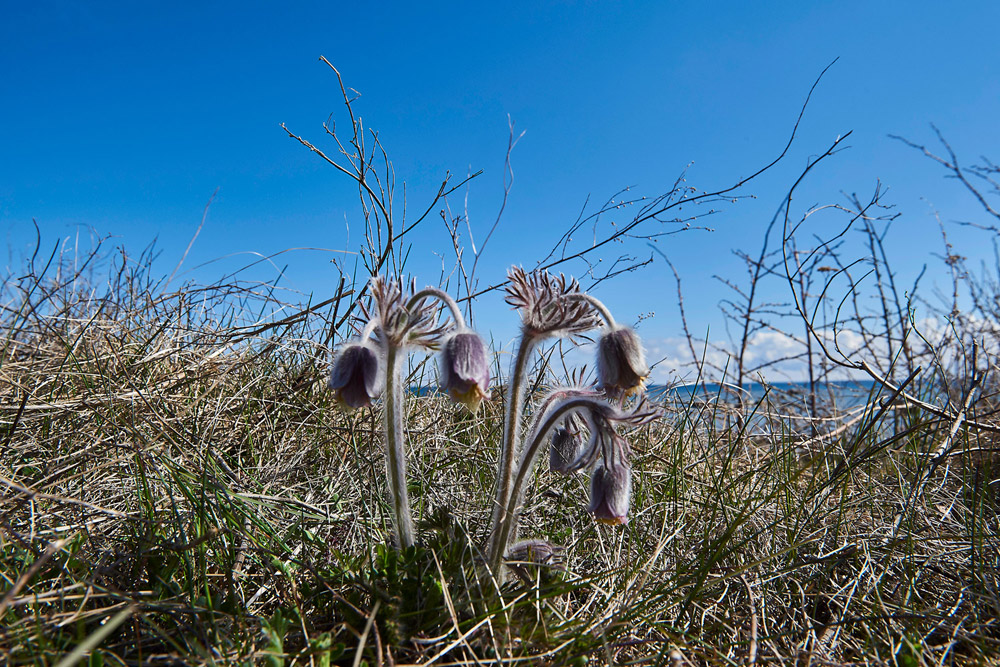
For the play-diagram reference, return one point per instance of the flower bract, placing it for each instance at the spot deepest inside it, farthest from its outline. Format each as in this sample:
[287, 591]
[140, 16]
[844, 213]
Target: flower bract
[401, 326]
[546, 304]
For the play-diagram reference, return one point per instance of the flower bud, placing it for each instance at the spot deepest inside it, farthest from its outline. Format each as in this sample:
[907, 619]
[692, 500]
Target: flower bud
[536, 560]
[610, 493]
[465, 371]
[567, 445]
[621, 364]
[535, 551]
[356, 375]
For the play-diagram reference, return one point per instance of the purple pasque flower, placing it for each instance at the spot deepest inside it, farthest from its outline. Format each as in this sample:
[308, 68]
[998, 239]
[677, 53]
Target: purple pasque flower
[465, 369]
[610, 454]
[567, 445]
[356, 375]
[535, 551]
[621, 364]
[535, 559]
[611, 493]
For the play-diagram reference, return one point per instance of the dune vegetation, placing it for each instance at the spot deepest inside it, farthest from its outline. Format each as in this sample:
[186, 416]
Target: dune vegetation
[180, 485]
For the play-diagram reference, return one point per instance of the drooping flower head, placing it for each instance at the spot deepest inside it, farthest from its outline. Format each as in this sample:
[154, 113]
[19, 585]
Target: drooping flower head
[537, 551]
[604, 443]
[545, 309]
[536, 559]
[356, 375]
[465, 369]
[610, 454]
[592, 413]
[611, 481]
[567, 444]
[611, 493]
[621, 364]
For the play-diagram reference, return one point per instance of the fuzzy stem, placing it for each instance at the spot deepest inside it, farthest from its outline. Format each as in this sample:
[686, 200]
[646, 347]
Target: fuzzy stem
[369, 329]
[598, 306]
[510, 448]
[544, 422]
[442, 296]
[395, 461]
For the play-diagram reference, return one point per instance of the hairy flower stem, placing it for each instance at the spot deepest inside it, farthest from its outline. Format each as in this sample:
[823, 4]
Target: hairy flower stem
[506, 530]
[444, 297]
[510, 449]
[597, 305]
[395, 461]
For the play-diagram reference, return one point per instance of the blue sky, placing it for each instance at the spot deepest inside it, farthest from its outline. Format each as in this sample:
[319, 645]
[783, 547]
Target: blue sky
[122, 119]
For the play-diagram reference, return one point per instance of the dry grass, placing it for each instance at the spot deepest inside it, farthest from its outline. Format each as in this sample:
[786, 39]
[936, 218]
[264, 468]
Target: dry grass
[175, 477]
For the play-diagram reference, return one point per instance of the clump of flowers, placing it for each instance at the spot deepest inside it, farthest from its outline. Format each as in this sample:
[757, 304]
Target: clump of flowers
[550, 307]
[578, 424]
[398, 323]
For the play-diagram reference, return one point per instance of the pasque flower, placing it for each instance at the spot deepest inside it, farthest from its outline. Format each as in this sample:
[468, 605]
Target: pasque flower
[550, 306]
[611, 492]
[356, 375]
[465, 369]
[535, 559]
[579, 425]
[611, 486]
[541, 552]
[406, 319]
[567, 445]
[621, 364]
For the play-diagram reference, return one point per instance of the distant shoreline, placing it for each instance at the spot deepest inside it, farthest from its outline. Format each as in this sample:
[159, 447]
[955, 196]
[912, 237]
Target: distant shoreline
[751, 389]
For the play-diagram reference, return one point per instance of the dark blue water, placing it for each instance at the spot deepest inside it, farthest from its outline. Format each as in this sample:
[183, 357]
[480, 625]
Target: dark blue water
[843, 394]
